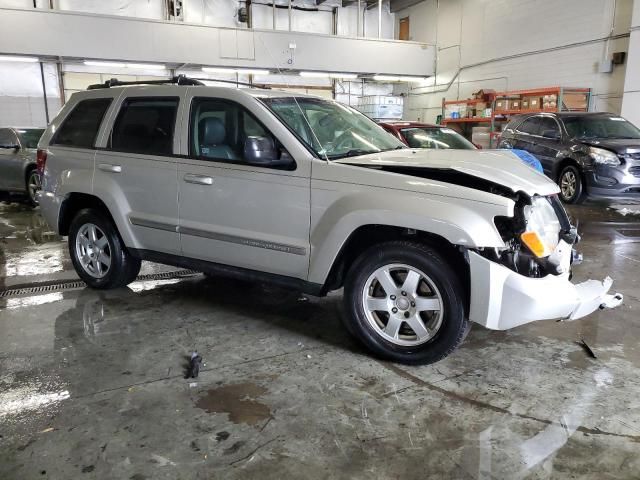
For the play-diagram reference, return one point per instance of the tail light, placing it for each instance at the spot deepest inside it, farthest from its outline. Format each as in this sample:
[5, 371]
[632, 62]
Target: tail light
[41, 160]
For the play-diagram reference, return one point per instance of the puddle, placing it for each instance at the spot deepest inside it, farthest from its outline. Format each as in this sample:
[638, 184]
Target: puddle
[238, 401]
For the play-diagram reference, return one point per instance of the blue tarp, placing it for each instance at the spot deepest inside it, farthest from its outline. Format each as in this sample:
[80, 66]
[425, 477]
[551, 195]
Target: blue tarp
[528, 158]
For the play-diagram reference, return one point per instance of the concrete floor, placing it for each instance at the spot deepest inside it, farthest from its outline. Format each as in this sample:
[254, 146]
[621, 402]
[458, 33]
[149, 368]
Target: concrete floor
[91, 383]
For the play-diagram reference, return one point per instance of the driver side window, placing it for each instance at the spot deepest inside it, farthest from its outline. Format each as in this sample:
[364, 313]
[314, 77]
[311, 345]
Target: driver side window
[219, 129]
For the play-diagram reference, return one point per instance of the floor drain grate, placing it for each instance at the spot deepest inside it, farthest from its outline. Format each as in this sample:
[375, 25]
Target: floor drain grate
[73, 284]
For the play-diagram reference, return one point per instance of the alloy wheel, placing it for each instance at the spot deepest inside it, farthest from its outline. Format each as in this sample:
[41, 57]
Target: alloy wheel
[33, 185]
[402, 304]
[568, 184]
[93, 250]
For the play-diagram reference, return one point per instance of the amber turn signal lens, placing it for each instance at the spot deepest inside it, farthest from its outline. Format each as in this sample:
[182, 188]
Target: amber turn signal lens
[534, 243]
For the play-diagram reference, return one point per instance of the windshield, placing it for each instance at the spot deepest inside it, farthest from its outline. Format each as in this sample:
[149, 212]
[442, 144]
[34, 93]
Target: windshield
[440, 138]
[600, 127]
[29, 136]
[331, 129]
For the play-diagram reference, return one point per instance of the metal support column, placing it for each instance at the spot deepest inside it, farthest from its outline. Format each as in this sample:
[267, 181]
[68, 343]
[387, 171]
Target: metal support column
[273, 13]
[358, 27]
[44, 93]
[379, 18]
[290, 15]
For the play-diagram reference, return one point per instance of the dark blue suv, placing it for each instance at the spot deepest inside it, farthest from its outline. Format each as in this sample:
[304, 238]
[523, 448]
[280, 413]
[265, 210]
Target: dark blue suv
[588, 154]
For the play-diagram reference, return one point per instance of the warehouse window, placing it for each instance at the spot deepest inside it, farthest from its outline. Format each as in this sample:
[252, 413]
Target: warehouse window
[81, 126]
[145, 125]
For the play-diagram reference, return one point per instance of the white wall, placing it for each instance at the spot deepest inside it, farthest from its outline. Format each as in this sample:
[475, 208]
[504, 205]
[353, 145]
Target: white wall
[474, 38]
[631, 98]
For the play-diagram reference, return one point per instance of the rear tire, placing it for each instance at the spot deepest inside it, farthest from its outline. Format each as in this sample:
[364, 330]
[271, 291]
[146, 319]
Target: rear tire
[571, 185]
[32, 185]
[98, 253]
[405, 303]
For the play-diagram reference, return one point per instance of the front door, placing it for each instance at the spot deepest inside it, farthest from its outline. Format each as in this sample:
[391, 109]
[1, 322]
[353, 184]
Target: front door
[137, 167]
[235, 213]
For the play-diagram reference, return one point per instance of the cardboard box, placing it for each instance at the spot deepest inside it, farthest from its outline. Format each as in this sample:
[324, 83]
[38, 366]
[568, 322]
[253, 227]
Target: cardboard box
[502, 104]
[531, 103]
[515, 104]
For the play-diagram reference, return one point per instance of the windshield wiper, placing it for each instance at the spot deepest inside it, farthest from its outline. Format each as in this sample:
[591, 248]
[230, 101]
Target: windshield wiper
[351, 153]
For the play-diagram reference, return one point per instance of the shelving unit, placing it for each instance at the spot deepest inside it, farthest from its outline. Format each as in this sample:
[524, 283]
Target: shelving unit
[559, 99]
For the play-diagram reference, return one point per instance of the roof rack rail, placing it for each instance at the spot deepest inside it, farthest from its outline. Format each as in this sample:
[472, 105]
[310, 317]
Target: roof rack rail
[177, 80]
[234, 82]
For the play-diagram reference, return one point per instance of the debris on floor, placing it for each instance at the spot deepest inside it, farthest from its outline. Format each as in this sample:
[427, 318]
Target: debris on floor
[194, 366]
[586, 348]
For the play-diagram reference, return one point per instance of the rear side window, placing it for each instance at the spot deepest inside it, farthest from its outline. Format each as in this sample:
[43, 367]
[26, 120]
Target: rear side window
[81, 126]
[530, 126]
[145, 125]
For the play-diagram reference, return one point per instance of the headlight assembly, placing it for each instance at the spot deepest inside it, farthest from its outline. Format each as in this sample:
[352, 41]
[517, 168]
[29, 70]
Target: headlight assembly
[542, 231]
[603, 157]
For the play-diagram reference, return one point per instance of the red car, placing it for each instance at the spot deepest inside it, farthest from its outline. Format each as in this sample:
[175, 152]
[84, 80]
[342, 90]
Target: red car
[425, 135]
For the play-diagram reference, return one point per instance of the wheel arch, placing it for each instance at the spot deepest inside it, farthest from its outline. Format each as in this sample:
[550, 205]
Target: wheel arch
[73, 203]
[368, 236]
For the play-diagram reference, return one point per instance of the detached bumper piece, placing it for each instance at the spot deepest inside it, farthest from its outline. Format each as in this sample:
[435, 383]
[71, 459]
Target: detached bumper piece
[502, 299]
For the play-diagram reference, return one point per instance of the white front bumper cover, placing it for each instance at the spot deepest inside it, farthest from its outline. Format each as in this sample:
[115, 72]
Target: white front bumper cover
[502, 299]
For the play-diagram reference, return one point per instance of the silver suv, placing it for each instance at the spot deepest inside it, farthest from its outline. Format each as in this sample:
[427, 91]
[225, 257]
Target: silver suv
[310, 194]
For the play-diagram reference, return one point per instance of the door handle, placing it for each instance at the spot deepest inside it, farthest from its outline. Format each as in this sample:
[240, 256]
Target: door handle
[107, 167]
[198, 179]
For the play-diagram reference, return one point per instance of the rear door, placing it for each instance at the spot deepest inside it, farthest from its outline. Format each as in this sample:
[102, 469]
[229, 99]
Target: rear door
[136, 166]
[11, 177]
[232, 212]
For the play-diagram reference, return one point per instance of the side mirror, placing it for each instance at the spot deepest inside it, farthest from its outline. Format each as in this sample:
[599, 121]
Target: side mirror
[553, 134]
[263, 151]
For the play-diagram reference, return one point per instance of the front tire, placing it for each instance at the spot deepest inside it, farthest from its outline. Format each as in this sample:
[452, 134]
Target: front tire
[405, 303]
[98, 253]
[571, 185]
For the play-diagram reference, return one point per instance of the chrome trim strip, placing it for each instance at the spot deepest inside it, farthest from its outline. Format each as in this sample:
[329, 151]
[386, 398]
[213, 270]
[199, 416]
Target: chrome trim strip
[250, 242]
[141, 222]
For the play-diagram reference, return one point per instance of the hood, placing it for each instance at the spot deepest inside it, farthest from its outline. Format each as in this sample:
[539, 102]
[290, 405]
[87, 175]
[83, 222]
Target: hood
[499, 167]
[620, 146]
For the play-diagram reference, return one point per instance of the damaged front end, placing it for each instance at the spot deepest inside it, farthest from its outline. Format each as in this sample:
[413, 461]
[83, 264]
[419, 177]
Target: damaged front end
[529, 279]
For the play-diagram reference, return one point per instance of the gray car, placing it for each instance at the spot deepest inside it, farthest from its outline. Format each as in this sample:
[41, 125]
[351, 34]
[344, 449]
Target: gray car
[18, 174]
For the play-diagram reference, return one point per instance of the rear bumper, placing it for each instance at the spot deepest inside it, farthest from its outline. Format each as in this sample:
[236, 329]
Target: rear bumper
[502, 299]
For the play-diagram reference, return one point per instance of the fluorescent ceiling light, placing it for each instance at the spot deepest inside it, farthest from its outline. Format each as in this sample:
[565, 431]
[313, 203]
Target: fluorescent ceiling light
[315, 74]
[386, 78]
[92, 63]
[10, 58]
[397, 78]
[142, 66]
[344, 76]
[328, 75]
[246, 71]
[146, 66]
[250, 71]
[218, 70]
[413, 79]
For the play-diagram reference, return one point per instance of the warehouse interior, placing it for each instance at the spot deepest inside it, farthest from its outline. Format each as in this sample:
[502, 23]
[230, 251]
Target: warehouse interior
[242, 350]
